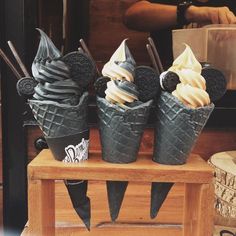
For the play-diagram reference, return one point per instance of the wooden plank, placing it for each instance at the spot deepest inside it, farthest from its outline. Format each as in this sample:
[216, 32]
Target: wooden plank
[196, 170]
[41, 207]
[134, 216]
[135, 207]
[118, 231]
[198, 210]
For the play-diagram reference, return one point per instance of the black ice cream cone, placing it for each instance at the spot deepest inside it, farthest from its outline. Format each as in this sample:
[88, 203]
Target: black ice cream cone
[66, 130]
[77, 190]
[115, 193]
[176, 131]
[120, 134]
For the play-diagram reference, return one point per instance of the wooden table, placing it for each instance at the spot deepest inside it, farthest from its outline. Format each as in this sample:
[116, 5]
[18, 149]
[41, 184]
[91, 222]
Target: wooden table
[196, 175]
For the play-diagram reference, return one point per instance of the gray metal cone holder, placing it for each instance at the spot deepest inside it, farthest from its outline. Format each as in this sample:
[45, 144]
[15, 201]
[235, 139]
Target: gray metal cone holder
[62, 124]
[120, 134]
[176, 131]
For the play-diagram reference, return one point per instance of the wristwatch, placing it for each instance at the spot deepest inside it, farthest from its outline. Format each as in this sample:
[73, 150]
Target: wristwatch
[181, 9]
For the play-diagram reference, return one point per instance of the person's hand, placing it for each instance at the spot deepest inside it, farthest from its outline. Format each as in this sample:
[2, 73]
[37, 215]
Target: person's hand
[210, 15]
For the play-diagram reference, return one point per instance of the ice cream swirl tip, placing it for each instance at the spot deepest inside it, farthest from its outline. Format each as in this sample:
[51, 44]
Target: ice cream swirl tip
[121, 65]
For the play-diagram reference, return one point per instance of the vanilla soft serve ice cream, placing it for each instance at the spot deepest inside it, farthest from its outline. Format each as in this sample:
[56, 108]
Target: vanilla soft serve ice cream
[120, 69]
[192, 88]
[121, 65]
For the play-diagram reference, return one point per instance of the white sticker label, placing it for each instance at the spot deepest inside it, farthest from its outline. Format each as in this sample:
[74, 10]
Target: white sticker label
[75, 154]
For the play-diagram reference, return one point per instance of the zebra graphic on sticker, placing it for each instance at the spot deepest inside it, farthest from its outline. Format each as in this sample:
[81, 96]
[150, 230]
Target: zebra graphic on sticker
[75, 154]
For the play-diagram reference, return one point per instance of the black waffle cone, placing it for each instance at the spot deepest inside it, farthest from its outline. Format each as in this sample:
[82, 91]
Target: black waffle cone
[66, 125]
[63, 148]
[77, 190]
[121, 130]
[115, 193]
[120, 134]
[159, 192]
[177, 129]
[58, 120]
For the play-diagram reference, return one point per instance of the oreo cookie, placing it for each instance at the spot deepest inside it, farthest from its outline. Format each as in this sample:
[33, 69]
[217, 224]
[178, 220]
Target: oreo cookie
[100, 86]
[147, 82]
[169, 81]
[25, 86]
[216, 84]
[82, 68]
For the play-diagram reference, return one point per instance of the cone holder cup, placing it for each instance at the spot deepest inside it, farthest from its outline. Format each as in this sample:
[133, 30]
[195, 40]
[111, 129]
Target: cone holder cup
[176, 131]
[120, 135]
[66, 131]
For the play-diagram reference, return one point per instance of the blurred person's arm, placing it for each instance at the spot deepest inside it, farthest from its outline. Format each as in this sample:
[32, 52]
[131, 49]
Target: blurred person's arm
[146, 16]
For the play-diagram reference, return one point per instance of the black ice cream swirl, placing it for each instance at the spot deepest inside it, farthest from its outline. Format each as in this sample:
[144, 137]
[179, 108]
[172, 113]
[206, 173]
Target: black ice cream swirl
[55, 83]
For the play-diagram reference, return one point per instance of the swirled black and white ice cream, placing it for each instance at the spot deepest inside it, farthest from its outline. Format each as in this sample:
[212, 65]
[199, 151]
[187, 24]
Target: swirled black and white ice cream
[60, 104]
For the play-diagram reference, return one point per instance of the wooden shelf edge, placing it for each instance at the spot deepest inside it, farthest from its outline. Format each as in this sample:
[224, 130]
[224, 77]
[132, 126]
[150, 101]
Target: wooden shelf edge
[196, 170]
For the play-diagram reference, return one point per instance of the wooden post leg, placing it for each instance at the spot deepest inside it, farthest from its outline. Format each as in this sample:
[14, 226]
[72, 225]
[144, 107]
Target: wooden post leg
[198, 210]
[41, 207]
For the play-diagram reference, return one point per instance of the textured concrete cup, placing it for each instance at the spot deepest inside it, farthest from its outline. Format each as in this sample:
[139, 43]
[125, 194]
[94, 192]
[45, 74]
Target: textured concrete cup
[177, 129]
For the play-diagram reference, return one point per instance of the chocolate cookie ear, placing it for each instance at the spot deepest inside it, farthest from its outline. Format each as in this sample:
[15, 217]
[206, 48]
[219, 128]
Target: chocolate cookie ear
[82, 68]
[25, 86]
[147, 81]
[100, 85]
[169, 81]
[216, 83]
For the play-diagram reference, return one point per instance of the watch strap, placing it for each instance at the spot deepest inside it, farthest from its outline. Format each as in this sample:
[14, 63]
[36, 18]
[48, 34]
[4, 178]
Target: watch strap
[181, 10]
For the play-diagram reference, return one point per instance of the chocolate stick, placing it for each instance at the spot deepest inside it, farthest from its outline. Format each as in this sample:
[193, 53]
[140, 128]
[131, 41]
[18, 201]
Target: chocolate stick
[151, 55]
[80, 50]
[156, 54]
[8, 62]
[85, 48]
[17, 57]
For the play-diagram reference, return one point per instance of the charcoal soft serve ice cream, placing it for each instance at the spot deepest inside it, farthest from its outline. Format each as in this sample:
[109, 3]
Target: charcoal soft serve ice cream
[55, 83]
[121, 92]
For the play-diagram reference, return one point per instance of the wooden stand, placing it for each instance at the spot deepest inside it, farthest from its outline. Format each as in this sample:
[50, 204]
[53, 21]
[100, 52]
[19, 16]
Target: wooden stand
[196, 175]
